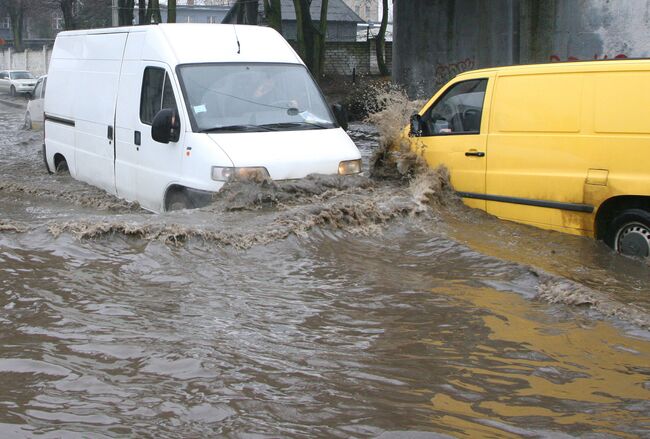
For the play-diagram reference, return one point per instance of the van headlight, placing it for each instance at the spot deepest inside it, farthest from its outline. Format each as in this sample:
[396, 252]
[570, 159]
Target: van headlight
[224, 173]
[350, 167]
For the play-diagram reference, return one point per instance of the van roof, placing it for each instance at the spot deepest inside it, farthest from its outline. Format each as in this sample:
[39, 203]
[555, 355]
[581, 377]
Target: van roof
[187, 43]
[573, 66]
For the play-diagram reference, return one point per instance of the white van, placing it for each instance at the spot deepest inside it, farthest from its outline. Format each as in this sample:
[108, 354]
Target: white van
[165, 114]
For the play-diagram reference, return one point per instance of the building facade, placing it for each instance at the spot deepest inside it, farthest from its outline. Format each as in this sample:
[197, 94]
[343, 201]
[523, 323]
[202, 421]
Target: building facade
[368, 10]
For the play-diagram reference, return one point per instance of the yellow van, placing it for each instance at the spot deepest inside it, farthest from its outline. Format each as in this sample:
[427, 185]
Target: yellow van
[561, 146]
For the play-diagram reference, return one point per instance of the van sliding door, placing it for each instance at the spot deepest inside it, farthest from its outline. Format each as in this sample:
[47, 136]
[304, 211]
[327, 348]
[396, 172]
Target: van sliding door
[96, 80]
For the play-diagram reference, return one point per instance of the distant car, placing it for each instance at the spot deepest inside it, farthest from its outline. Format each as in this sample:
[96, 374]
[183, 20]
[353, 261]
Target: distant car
[34, 114]
[17, 82]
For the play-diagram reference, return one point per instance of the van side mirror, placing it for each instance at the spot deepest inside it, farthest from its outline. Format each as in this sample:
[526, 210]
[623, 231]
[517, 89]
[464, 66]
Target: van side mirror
[416, 125]
[166, 126]
[341, 115]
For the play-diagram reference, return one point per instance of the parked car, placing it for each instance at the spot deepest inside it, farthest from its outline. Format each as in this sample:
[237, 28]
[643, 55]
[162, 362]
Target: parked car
[558, 146]
[163, 116]
[34, 114]
[17, 82]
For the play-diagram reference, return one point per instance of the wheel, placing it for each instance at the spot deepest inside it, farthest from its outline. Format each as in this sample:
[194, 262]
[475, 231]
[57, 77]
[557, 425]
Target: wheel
[62, 167]
[178, 200]
[629, 233]
[28, 121]
[12, 91]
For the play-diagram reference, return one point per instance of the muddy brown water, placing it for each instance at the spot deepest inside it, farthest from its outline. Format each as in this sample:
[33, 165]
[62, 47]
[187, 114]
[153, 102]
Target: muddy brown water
[324, 308]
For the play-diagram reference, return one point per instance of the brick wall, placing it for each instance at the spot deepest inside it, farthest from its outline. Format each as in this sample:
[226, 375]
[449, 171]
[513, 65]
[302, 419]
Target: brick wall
[342, 57]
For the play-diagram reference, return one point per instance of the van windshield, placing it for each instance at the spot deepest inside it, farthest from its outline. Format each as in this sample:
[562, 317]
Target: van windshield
[253, 97]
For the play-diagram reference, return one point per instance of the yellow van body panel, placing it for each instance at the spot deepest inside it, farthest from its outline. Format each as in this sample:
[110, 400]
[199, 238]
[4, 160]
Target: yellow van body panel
[561, 139]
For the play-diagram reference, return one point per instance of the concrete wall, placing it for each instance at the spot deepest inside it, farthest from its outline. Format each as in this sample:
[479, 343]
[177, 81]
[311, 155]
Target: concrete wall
[36, 61]
[436, 39]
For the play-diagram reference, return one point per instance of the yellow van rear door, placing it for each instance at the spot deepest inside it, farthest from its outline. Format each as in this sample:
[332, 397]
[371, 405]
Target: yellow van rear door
[454, 134]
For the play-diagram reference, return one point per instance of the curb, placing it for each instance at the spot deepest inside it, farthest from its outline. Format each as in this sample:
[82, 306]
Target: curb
[13, 104]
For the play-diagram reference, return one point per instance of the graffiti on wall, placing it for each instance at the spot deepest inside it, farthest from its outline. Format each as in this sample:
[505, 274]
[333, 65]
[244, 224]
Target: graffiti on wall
[445, 72]
[557, 58]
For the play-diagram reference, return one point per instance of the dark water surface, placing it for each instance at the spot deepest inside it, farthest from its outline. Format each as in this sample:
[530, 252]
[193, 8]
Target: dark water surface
[329, 308]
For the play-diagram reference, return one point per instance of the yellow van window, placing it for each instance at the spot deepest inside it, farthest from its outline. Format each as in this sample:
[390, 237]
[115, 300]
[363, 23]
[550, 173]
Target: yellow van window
[622, 102]
[538, 103]
[457, 111]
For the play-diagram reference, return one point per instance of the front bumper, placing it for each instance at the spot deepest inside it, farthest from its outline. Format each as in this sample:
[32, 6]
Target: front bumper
[24, 88]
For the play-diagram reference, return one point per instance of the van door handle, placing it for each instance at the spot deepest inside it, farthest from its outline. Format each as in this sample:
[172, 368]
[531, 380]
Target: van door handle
[109, 133]
[137, 137]
[474, 154]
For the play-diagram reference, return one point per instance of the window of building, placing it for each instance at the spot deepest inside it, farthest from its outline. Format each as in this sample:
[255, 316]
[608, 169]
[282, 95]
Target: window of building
[5, 23]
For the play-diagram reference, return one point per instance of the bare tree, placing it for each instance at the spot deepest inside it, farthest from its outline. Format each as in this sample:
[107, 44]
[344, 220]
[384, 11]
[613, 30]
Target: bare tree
[142, 11]
[273, 14]
[311, 38]
[171, 11]
[15, 9]
[380, 41]
[153, 12]
[125, 12]
[243, 12]
[68, 9]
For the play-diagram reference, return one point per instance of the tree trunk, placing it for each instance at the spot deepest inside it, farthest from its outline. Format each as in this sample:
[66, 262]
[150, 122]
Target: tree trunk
[68, 14]
[125, 12]
[273, 14]
[171, 11]
[380, 42]
[142, 12]
[252, 8]
[304, 32]
[319, 40]
[153, 12]
[16, 15]
[311, 40]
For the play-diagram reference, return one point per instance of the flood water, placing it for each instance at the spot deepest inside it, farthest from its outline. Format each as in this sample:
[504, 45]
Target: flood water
[325, 308]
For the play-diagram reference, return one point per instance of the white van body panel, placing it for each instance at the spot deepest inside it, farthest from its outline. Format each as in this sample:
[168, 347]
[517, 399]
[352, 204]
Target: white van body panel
[93, 112]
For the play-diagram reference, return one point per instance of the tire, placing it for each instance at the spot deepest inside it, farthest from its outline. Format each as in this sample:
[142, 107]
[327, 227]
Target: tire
[178, 200]
[629, 233]
[28, 121]
[62, 167]
[12, 91]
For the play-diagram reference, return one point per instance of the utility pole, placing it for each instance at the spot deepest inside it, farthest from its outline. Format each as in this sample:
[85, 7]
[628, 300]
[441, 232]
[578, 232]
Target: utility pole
[115, 14]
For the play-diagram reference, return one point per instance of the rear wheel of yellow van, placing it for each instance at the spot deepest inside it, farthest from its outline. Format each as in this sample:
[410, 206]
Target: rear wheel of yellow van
[629, 233]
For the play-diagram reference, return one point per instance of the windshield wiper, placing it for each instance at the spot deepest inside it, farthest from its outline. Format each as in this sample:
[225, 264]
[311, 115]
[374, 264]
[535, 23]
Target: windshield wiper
[303, 124]
[238, 128]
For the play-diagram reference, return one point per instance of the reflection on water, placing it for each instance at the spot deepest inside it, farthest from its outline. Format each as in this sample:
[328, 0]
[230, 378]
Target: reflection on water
[350, 312]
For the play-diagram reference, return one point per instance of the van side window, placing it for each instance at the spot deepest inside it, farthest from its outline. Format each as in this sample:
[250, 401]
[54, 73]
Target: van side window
[458, 111]
[157, 93]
